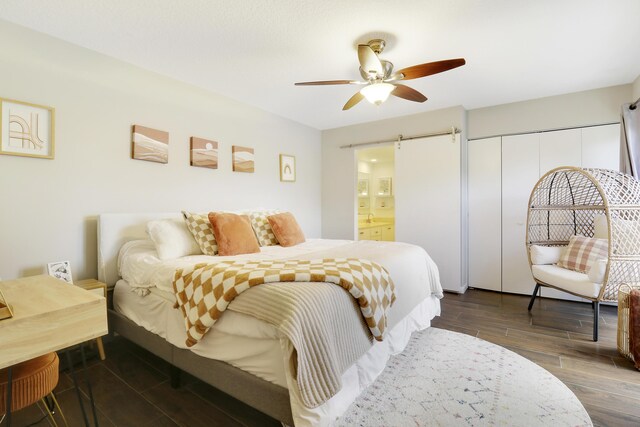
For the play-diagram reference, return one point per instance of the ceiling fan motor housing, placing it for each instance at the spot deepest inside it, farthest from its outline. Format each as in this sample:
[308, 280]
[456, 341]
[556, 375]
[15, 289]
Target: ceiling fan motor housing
[377, 45]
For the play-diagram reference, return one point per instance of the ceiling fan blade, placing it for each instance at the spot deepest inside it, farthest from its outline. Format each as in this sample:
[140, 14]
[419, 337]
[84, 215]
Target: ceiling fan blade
[430, 68]
[408, 93]
[353, 101]
[330, 82]
[369, 61]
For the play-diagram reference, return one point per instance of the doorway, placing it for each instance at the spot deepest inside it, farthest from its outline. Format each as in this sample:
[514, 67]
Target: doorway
[375, 195]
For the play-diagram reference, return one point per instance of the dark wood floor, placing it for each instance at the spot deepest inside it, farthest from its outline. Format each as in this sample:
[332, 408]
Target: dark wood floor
[557, 336]
[131, 387]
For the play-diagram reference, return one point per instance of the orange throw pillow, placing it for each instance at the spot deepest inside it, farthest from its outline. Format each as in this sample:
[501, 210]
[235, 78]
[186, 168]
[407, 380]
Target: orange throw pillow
[286, 229]
[234, 234]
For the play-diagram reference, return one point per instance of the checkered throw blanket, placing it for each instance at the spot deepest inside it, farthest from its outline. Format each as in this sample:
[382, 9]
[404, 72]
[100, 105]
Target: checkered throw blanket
[204, 290]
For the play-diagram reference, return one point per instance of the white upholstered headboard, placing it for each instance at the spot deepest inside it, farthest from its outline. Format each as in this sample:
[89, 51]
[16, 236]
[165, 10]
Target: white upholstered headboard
[114, 230]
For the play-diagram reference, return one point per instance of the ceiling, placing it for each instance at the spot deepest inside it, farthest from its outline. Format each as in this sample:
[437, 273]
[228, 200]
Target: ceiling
[254, 51]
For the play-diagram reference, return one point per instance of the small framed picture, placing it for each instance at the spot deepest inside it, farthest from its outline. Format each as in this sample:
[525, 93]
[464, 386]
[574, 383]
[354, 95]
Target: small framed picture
[149, 144]
[287, 168]
[243, 159]
[204, 153]
[60, 270]
[26, 129]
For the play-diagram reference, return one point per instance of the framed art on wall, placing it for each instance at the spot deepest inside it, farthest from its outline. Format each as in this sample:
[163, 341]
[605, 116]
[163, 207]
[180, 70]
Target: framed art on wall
[26, 129]
[243, 159]
[149, 144]
[287, 168]
[204, 153]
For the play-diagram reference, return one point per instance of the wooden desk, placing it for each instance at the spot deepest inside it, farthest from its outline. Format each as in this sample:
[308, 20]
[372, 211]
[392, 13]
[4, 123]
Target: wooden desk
[48, 315]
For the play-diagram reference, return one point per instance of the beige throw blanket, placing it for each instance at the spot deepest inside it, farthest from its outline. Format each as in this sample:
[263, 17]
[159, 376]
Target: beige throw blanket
[317, 318]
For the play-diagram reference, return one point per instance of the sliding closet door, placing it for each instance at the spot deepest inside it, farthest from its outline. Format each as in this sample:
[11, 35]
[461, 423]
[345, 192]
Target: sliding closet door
[427, 201]
[520, 172]
[485, 213]
[560, 148]
[601, 147]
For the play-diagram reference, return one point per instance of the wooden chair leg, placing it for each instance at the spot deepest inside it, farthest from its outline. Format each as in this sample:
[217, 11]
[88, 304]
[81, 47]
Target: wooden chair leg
[596, 315]
[533, 296]
[100, 348]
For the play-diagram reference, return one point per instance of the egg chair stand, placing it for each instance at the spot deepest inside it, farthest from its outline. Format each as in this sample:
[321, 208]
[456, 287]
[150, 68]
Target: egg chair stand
[569, 201]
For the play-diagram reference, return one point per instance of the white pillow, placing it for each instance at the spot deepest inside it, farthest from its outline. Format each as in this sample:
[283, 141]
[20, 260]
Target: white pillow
[541, 255]
[137, 259]
[172, 238]
[597, 270]
[600, 227]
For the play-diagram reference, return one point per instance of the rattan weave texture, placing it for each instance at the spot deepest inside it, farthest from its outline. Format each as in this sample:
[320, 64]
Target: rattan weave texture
[566, 201]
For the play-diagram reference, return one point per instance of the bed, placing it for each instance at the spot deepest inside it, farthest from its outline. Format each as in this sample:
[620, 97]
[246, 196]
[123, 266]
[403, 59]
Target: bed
[241, 355]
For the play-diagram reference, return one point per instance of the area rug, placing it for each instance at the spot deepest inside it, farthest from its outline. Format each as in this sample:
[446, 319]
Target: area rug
[445, 378]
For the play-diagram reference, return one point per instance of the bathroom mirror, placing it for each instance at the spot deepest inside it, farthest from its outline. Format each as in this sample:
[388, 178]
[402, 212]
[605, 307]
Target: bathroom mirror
[363, 184]
[384, 186]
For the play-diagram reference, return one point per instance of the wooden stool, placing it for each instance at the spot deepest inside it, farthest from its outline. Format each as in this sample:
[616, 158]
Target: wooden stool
[32, 381]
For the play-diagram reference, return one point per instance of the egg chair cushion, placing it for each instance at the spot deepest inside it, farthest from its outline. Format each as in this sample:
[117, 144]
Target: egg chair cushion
[600, 227]
[541, 255]
[569, 280]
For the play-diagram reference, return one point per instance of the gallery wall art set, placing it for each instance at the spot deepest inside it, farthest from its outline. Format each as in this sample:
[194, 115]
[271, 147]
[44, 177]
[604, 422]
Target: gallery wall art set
[153, 145]
[28, 130]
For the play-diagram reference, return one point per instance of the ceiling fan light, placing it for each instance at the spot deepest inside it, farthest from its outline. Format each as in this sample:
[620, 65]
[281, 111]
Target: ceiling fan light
[377, 93]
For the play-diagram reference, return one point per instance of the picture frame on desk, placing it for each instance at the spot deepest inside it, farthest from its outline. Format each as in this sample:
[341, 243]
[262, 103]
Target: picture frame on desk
[5, 308]
[60, 270]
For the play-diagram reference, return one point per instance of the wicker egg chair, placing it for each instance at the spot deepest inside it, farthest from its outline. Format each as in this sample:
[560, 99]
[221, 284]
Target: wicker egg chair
[566, 202]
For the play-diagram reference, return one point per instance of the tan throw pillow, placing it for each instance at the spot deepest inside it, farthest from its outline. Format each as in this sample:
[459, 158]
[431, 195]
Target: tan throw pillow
[286, 229]
[583, 252]
[200, 227]
[262, 228]
[233, 234]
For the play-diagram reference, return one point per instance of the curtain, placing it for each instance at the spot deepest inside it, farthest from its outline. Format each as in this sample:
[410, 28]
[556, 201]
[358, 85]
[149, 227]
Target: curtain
[630, 141]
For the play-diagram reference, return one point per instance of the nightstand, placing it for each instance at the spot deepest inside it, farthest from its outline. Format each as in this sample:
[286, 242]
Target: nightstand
[100, 289]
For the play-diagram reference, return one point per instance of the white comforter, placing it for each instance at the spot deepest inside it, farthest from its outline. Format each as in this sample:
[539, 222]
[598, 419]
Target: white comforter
[140, 266]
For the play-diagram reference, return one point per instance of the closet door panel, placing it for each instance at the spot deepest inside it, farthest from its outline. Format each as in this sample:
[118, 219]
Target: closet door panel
[427, 201]
[601, 147]
[485, 213]
[560, 148]
[520, 172]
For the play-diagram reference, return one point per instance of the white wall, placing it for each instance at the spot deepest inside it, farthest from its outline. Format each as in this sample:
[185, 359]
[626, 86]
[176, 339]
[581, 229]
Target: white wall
[586, 108]
[338, 196]
[49, 207]
[635, 92]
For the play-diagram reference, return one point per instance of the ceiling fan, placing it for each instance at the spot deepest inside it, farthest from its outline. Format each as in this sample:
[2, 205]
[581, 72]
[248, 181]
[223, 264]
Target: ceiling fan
[379, 79]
